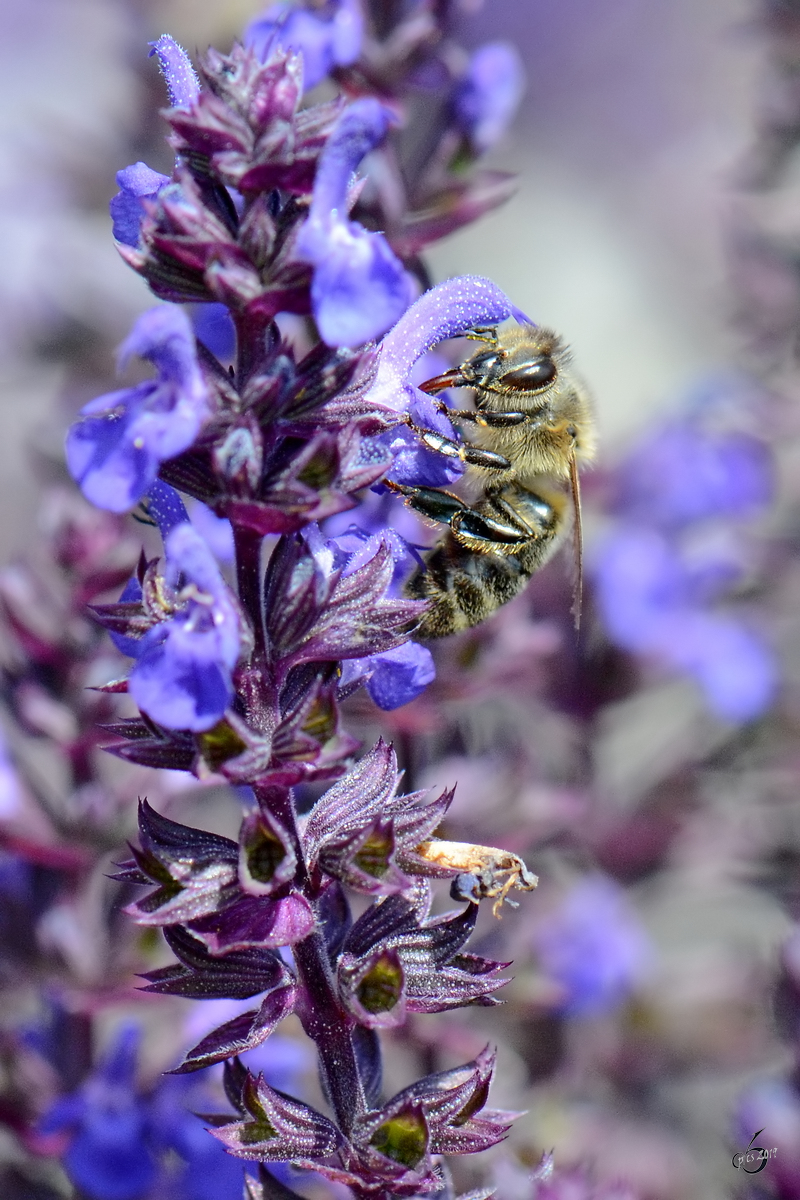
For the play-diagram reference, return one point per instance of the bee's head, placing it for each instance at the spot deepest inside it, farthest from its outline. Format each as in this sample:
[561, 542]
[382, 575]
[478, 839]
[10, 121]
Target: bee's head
[527, 368]
[523, 364]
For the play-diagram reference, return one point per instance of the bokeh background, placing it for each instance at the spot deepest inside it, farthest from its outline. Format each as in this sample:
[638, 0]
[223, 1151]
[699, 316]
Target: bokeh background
[652, 1026]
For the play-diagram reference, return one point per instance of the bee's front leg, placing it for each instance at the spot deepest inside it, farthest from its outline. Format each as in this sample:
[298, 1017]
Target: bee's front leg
[489, 420]
[482, 333]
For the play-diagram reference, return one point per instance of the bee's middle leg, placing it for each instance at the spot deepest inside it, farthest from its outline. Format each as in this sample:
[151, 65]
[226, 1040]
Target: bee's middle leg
[470, 455]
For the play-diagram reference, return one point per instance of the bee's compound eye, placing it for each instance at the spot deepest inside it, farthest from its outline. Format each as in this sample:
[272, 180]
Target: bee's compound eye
[533, 377]
[483, 362]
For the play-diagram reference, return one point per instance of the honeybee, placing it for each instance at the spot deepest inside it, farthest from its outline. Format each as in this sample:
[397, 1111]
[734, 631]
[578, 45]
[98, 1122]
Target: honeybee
[531, 428]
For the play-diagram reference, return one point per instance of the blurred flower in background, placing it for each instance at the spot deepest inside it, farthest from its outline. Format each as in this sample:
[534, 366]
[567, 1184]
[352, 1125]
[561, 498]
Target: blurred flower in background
[593, 948]
[487, 96]
[328, 36]
[679, 543]
[110, 1151]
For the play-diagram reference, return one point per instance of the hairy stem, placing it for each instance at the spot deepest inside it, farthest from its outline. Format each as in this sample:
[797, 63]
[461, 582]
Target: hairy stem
[328, 1026]
[323, 1018]
[253, 331]
[248, 580]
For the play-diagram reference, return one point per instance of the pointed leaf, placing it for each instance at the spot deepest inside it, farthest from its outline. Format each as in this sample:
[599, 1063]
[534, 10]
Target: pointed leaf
[201, 975]
[242, 1033]
[351, 803]
[195, 871]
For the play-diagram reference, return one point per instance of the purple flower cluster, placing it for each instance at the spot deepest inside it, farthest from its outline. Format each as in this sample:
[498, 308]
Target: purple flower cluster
[263, 641]
[327, 37]
[243, 681]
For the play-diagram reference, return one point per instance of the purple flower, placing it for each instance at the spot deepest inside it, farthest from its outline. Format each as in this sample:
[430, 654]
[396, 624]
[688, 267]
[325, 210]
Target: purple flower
[382, 512]
[360, 288]
[215, 329]
[593, 947]
[182, 676]
[137, 183]
[215, 531]
[652, 603]
[327, 37]
[394, 678]
[379, 520]
[114, 452]
[450, 309]
[208, 1173]
[487, 97]
[641, 584]
[179, 74]
[414, 463]
[732, 664]
[166, 508]
[140, 182]
[110, 1155]
[684, 474]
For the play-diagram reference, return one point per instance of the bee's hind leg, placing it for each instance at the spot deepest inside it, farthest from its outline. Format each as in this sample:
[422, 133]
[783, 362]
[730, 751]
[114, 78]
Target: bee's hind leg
[432, 503]
[478, 531]
[486, 558]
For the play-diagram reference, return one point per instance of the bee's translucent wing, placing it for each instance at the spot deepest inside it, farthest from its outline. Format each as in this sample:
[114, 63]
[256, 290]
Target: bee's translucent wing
[577, 541]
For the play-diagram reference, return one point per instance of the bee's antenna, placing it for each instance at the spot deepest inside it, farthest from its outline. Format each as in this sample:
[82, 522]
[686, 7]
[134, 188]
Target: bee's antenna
[577, 541]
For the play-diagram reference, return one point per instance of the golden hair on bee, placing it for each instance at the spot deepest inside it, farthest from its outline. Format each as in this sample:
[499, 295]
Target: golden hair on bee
[531, 428]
